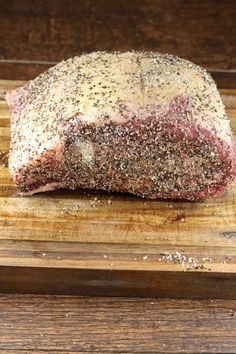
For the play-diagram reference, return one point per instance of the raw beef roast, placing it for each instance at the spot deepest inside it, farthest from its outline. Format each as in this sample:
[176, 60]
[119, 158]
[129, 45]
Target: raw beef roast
[139, 122]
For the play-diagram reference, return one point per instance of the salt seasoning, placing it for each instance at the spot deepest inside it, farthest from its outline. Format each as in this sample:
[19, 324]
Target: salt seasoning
[140, 122]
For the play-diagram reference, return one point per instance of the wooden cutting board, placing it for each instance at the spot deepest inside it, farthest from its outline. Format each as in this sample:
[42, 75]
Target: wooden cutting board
[86, 242]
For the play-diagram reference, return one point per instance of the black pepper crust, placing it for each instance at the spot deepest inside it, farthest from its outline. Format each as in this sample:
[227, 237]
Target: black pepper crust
[140, 122]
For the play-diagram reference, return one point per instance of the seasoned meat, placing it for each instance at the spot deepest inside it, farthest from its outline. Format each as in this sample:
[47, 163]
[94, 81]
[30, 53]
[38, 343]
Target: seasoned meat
[139, 122]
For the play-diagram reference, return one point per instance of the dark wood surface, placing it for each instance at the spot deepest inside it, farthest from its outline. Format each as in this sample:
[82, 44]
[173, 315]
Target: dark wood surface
[202, 31]
[36, 34]
[112, 325]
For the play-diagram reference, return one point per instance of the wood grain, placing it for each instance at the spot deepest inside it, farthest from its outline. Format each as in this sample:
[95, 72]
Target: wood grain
[201, 31]
[99, 243]
[108, 325]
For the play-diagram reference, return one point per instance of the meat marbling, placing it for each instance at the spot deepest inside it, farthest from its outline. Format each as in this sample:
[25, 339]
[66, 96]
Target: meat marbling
[141, 122]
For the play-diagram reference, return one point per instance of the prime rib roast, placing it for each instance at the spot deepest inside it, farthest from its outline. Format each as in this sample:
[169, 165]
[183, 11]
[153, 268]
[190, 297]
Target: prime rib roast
[140, 122]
